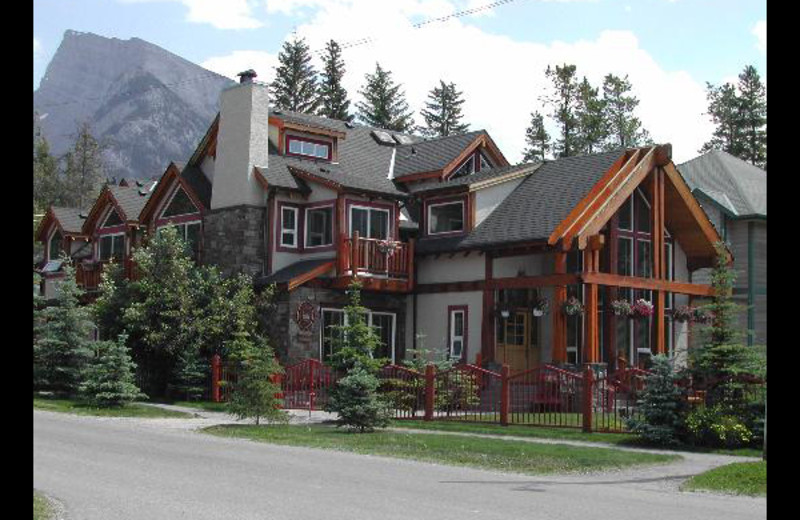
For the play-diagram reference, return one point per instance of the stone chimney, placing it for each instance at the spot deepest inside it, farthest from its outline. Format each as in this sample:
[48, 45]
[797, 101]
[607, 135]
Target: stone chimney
[242, 142]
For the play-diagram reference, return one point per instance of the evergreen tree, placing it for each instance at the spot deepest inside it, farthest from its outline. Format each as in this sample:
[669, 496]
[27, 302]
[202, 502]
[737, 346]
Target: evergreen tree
[384, 104]
[591, 116]
[254, 394]
[191, 375]
[753, 119]
[47, 183]
[295, 85]
[724, 110]
[625, 129]
[537, 139]
[662, 406]
[61, 348]
[84, 169]
[563, 100]
[109, 380]
[332, 94]
[442, 112]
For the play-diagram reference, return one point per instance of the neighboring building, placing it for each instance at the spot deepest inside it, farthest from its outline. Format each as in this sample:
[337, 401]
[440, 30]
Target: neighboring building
[733, 194]
[455, 248]
[60, 231]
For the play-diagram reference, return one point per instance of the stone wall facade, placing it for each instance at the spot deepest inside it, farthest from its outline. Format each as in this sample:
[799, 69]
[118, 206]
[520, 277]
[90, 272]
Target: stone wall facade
[233, 239]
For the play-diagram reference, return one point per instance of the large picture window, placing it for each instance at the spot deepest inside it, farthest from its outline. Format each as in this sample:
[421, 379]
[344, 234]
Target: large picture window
[319, 227]
[369, 222]
[112, 247]
[383, 323]
[446, 217]
[180, 204]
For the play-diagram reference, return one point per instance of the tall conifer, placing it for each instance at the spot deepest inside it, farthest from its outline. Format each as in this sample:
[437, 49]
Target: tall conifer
[295, 85]
[442, 112]
[333, 102]
[384, 104]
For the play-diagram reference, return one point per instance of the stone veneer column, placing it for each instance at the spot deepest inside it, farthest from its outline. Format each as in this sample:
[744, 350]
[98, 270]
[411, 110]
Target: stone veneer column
[233, 239]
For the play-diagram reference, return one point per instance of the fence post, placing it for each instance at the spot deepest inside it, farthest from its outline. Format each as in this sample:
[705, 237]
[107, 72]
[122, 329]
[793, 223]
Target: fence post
[215, 373]
[311, 393]
[430, 379]
[505, 394]
[588, 393]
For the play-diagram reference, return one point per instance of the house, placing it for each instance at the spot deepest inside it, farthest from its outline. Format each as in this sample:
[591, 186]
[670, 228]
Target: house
[61, 233]
[457, 250]
[733, 193]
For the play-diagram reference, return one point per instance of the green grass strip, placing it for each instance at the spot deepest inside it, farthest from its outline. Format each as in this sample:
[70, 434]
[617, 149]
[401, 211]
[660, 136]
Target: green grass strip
[41, 507]
[740, 478]
[81, 408]
[502, 455]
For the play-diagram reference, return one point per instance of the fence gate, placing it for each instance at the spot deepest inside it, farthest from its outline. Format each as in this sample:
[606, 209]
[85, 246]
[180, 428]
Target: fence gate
[404, 389]
[614, 399]
[306, 385]
[467, 393]
[547, 396]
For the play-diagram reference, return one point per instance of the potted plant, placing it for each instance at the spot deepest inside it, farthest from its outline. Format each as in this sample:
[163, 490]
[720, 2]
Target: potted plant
[573, 306]
[621, 308]
[702, 316]
[642, 309]
[541, 307]
[683, 313]
[388, 247]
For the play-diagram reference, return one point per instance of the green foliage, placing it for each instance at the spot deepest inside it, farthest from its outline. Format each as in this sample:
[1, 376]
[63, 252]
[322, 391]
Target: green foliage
[563, 99]
[254, 392]
[84, 169]
[109, 379]
[625, 129]
[384, 104]
[662, 406]
[190, 380]
[47, 183]
[537, 140]
[332, 94]
[718, 426]
[442, 112]
[591, 116]
[295, 84]
[61, 348]
[355, 398]
[354, 344]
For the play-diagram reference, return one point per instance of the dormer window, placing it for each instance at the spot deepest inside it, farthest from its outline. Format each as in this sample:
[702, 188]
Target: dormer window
[55, 245]
[304, 147]
[472, 164]
[447, 217]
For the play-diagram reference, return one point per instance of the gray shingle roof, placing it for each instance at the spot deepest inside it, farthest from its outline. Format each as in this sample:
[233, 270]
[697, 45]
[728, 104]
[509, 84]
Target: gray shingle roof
[70, 219]
[475, 178]
[733, 183]
[533, 210]
[431, 154]
[131, 199]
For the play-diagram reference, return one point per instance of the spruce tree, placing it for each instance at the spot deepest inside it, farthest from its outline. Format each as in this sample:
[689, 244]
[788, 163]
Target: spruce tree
[442, 112]
[191, 375]
[254, 394]
[333, 102]
[725, 112]
[662, 406]
[384, 104]
[295, 84]
[753, 117]
[591, 116]
[625, 129]
[61, 348]
[537, 139]
[109, 380]
[84, 170]
[563, 101]
[47, 183]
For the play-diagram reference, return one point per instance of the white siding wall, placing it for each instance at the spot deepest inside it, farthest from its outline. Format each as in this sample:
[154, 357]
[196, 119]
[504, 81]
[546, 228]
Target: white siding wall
[445, 269]
[432, 320]
[487, 199]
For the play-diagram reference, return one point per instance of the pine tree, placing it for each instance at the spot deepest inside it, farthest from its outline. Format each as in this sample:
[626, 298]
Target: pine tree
[84, 171]
[61, 348]
[753, 118]
[109, 380]
[591, 116]
[537, 140]
[295, 85]
[254, 392]
[662, 406]
[47, 183]
[333, 102]
[725, 112]
[563, 101]
[442, 112]
[384, 104]
[625, 129]
[190, 378]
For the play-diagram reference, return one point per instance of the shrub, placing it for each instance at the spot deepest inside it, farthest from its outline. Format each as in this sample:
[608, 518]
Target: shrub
[356, 400]
[109, 379]
[717, 426]
[662, 406]
[255, 393]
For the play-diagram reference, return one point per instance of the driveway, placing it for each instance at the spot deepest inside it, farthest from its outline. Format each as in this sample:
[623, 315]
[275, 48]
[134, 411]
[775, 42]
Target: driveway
[112, 468]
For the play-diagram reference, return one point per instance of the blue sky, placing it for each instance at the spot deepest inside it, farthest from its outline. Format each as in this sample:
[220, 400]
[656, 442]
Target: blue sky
[670, 48]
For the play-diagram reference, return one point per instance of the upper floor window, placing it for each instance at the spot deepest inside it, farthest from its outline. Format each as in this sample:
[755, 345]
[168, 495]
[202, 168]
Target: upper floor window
[289, 226]
[369, 222]
[308, 148]
[447, 217]
[180, 204]
[55, 245]
[474, 163]
[319, 227]
[112, 247]
[113, 219]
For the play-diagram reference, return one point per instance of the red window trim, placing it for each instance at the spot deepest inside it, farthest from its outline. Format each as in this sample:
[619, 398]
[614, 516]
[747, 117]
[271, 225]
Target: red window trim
[393, 232]
[301, 230]
[450, 309]
[279, 227]
[290, 138]
[334, 232]
[464, 199]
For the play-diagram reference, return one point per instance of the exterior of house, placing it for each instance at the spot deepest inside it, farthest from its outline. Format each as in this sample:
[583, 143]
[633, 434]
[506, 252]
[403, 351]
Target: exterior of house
[457, 250]
[733, 194]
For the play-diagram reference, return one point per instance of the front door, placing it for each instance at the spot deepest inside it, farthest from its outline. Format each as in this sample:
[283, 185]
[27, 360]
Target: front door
[515, 346]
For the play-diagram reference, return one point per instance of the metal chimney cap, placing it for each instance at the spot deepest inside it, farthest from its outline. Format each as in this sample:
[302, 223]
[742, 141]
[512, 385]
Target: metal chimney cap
[247, 76]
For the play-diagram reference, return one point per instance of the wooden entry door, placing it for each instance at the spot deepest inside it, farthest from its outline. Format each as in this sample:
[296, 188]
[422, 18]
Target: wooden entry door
[514, 346]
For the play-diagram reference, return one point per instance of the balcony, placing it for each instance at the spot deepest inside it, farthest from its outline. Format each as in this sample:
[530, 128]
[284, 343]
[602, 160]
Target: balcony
[382, 265]
[88, 275]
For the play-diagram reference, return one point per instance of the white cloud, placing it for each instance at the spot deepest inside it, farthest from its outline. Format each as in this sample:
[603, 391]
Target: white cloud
[37, 47]
[760, 32]
[502, 78]
[222, 14]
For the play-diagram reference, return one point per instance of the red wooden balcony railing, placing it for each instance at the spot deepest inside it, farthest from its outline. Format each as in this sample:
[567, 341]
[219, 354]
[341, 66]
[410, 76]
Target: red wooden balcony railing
[89, 274]
[388, 258]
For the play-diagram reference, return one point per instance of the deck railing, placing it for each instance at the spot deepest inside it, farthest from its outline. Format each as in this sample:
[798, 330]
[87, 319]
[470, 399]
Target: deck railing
[89, 274]
[388, 258]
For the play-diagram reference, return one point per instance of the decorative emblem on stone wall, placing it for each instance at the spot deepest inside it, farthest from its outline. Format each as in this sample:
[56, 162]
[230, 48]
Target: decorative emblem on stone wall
[305, 315]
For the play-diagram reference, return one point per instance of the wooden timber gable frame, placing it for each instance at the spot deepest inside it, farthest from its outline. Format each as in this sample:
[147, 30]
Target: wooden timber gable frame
[48, 226]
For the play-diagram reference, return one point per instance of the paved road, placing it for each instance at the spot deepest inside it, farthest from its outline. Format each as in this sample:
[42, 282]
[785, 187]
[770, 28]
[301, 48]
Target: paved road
[105, 468]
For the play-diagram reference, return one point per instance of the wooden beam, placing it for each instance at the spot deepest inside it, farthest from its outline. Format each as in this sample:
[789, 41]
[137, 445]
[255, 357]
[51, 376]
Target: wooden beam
[652, 284]
[658, 324]
[559, 321]
[310, 275]
[591, 342]
[531, 282]
[487, 323]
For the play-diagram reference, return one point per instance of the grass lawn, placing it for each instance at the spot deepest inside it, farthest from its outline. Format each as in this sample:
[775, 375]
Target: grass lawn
[573, 434]
[41, 507]
[741, 478]
[513, 456]
[77, 407]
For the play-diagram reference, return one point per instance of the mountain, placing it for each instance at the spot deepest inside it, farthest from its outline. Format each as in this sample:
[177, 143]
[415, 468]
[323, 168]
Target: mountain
[147, 105]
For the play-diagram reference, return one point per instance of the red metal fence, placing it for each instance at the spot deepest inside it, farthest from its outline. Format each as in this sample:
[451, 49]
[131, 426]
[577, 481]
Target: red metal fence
[306, 385]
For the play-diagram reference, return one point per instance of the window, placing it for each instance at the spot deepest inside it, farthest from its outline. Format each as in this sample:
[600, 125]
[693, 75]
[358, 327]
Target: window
[112, 247]
[485, 164]
[369, 222]
[382, 322]
[289, 226]
[319, 227]
[466, 168]
[180, 204]
[54, 248]
[309, 148]
[190, 233]
[446, 218]
[457, 326]
[113, 219]
[625, 216]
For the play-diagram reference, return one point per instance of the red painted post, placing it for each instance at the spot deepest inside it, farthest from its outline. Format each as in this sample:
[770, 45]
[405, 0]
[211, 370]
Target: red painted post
[505, 394]
[215, 373]
[430, 379]
[588, 392]
[311, 393]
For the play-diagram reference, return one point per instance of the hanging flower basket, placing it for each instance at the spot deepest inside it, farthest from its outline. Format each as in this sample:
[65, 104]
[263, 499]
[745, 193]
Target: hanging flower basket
[642, 309]
[573, 307]
[683, 314]
[388, 247]
[541, 307]
[622, 308]
[702, 316]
